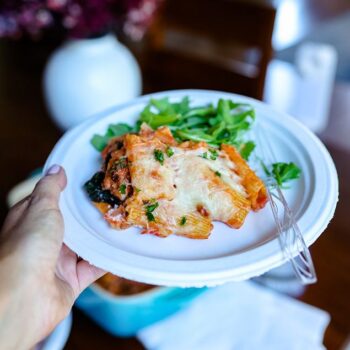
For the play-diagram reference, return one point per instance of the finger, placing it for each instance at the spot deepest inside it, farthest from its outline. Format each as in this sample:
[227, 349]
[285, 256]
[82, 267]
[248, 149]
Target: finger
[15, 214]
[87, 274]
[47, 191]
[66, 264]
[66, 268]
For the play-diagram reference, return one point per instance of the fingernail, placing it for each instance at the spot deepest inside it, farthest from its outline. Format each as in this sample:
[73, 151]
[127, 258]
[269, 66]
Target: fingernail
[54, 169]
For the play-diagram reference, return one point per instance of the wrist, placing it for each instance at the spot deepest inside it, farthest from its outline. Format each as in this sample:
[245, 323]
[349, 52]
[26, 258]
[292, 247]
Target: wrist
[15, 316]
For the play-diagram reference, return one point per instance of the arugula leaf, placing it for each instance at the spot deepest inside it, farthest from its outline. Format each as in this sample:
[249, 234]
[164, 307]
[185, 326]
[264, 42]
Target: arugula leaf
[285, 172]
[155, 120]
[119, 129]
[194, 135]
[281, 172]
[99, 142]
[114, 130]
[163, 105]
[226, 122]
[245, 149]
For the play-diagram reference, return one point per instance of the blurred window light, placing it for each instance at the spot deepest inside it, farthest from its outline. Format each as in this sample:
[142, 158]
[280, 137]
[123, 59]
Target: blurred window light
[289, 24]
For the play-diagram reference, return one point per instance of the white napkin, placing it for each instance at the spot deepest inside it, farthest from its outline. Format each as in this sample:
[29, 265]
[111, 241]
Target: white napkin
[240, 316]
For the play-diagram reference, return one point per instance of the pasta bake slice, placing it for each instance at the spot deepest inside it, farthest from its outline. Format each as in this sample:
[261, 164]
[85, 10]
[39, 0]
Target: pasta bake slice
[165, 187]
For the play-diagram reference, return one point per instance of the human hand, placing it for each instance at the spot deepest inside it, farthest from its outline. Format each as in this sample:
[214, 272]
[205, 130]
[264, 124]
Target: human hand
[39, 277]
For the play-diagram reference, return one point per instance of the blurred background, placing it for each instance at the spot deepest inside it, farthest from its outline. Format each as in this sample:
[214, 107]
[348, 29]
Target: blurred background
[62, 61]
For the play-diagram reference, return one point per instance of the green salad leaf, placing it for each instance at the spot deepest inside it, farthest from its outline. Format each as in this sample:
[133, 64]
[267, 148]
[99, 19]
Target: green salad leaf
[285, 172]
[246, 148]
[114, 130]
[282, 172]
[227, 122]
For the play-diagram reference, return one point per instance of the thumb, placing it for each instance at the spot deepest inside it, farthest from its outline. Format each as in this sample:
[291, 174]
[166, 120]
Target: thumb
[47, 191]
[38, 225]
[43, 218]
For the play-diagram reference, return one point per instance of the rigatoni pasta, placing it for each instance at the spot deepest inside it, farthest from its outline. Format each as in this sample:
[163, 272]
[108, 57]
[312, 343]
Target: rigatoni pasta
[166, 187]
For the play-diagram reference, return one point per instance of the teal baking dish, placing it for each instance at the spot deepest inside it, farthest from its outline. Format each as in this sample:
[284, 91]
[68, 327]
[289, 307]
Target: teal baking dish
[124, 316]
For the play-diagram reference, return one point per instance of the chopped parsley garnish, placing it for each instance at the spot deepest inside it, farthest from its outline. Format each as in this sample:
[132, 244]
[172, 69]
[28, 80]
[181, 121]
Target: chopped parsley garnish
[159, 156]
[121, 163]
[122, 189]
[217, 173]
[150, 208]
[205, 155]
[169, 152]
[150, 216]
[183, 221]
[213, 153]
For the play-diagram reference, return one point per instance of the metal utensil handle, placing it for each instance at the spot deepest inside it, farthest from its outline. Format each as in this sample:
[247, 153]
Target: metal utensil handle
[291, 240]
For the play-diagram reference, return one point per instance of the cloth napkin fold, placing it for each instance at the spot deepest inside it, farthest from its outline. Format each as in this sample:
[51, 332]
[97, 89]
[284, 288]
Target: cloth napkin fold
[240, 316]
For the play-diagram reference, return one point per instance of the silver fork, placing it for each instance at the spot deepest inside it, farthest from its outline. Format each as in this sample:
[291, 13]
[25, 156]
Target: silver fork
[290, 238]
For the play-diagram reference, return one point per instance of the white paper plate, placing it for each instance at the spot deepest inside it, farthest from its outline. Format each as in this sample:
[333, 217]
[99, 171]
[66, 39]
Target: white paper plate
[228, 255]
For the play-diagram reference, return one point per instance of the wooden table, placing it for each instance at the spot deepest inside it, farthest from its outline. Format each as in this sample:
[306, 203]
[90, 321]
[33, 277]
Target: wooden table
[27, 136]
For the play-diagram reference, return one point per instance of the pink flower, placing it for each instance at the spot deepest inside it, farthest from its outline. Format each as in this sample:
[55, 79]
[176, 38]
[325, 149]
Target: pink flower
[78, 18]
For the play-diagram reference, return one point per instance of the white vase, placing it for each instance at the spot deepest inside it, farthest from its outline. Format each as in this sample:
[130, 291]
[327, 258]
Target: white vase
[86, 76]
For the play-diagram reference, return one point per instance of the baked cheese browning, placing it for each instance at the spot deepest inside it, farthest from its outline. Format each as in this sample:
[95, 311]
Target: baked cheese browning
[154, 179]
[200, 189]
[176, 188]
[252, 183]
[168, 220]
[163, 134]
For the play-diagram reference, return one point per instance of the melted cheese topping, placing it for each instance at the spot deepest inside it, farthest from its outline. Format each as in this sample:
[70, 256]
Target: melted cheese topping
[197, 185]
[222, 164]
[147, 174]
[188, 185]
